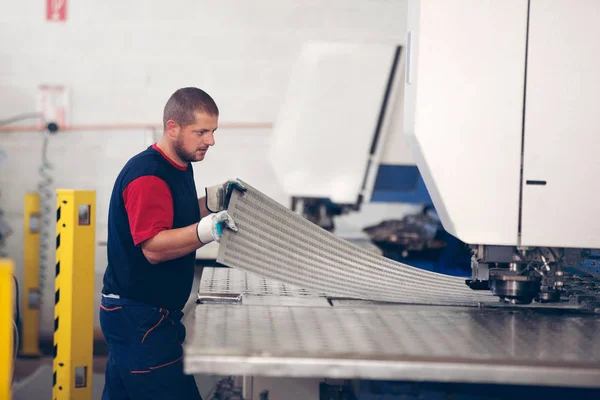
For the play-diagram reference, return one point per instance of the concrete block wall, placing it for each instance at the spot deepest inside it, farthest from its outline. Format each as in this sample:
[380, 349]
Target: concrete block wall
[120, 61]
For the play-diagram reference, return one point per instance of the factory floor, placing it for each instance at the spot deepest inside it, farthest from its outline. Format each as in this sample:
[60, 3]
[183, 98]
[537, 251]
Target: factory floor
[33, 379]
[24, 367]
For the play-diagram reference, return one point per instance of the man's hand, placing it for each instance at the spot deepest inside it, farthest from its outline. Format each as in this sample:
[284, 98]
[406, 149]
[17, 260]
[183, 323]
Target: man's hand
[210, 228]
[174, 243]
[218, 196]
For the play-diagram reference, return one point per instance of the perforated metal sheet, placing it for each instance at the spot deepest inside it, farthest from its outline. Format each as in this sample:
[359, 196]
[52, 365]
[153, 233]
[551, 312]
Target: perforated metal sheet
[255, 290]
[397, 342]
[277, 243]
[230, 281]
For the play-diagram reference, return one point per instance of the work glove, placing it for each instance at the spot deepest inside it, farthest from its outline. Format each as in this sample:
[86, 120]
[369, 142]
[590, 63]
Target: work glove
[211, 227]
[218, 196]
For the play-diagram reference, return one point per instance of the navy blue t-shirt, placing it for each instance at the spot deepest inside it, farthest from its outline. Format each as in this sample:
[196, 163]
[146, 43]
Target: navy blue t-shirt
[129, 274]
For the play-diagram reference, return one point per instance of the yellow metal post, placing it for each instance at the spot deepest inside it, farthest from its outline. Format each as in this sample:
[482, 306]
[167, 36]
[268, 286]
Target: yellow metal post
[6, 328]
[74, 295]
[30, 295]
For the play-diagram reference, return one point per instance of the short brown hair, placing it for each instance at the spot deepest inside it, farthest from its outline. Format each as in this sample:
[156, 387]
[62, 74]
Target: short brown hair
[185, 102]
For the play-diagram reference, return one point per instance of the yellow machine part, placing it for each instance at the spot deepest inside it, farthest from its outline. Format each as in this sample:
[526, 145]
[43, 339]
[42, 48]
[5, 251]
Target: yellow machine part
[30, 294]
[74, 299]
[6, 328]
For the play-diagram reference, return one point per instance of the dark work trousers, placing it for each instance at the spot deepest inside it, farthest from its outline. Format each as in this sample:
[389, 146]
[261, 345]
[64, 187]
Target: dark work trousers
[145, 353]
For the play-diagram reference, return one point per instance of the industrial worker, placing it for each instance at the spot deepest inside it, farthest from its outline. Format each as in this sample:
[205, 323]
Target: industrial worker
[155, 225]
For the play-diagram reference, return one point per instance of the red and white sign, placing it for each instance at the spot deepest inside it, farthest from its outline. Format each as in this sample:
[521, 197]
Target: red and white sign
[56, 10]
[53, 104]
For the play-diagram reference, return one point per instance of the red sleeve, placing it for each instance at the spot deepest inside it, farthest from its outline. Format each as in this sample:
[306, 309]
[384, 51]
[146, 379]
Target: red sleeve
[149, 207]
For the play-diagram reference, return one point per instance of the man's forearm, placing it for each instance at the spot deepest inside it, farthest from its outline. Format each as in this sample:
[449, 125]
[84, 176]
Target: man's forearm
[171, 244]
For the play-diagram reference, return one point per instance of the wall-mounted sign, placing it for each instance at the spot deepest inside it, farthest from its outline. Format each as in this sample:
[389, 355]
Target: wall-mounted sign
[56, 10]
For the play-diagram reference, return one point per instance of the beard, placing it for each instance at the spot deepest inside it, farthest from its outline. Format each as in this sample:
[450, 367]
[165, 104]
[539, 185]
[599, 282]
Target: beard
[181, 153]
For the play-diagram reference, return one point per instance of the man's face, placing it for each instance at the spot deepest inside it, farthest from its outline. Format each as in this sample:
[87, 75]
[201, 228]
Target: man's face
[192, 141]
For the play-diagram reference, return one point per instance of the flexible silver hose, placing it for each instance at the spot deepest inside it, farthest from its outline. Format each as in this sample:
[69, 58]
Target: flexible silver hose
[47, 212]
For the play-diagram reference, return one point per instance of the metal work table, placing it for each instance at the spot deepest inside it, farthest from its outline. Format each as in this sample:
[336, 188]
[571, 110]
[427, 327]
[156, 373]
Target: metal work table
[253, 326]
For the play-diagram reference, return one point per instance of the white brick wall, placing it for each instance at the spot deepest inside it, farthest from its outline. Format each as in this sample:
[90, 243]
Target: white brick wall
[122, 59]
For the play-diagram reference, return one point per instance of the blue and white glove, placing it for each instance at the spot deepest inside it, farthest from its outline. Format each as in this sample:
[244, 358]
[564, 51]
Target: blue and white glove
[218, 196]
[211, 227]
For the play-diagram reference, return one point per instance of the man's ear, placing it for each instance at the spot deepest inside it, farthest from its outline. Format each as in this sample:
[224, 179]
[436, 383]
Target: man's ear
[173, 128]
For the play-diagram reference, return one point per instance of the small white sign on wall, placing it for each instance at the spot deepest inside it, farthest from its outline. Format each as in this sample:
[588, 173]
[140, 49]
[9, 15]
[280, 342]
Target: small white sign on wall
[53, 103]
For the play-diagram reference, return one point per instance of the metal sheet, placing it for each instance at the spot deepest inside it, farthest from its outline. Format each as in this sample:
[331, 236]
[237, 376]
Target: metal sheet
[219, 284]
[251, 289]
[251, 300]
[402, 342]
[234, 281]
[276, 243]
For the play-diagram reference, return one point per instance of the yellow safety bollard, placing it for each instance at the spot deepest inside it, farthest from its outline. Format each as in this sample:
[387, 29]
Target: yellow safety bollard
[30, 295]
[6, 328]
[74, 295]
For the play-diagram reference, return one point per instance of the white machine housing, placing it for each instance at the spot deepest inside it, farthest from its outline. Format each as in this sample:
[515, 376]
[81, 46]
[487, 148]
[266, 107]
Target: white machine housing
[501, 115]
[322, 138]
